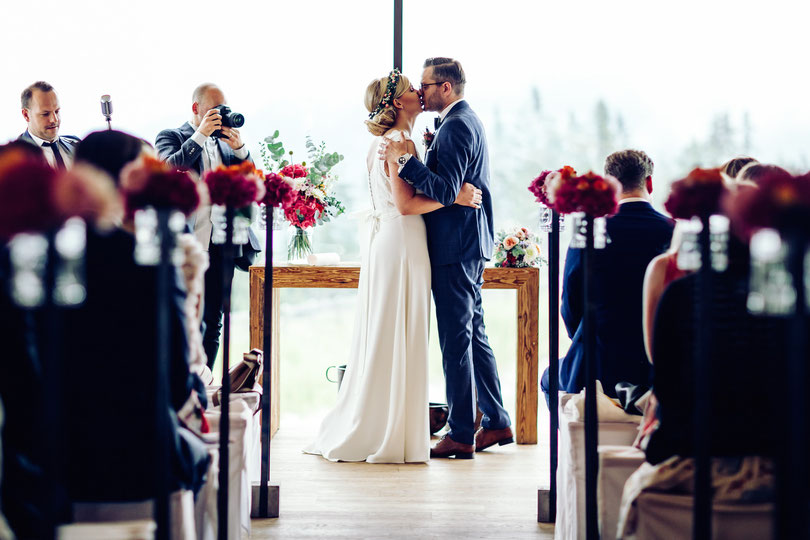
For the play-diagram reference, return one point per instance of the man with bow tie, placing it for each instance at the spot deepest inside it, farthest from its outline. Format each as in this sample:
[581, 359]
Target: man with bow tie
[460, 241]
[40, 108]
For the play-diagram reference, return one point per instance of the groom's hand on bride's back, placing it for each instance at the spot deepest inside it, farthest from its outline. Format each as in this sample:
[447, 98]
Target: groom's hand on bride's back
[469, 195]
[390, 150]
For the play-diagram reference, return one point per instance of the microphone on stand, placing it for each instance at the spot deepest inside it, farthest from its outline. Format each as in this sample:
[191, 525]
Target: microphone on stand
[106, 109]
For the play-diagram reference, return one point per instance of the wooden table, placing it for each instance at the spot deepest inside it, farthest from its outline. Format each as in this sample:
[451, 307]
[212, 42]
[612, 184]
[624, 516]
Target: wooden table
[524, 280]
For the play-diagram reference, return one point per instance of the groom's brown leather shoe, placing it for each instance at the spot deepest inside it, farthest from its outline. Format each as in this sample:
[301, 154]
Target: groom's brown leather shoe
[447, 447]
[484, 438]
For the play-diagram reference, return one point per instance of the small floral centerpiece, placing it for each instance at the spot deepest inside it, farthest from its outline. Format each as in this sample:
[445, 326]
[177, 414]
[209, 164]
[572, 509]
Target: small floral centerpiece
[517, 248]
[238, 187]
[538, 189]
[312, 201]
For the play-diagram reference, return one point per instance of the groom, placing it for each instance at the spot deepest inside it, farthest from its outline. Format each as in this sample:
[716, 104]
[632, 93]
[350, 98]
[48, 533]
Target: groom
[460, 241]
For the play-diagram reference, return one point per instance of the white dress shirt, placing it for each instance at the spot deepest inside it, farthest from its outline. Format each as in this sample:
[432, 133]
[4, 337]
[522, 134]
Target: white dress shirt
[211, 156]
[48, 151]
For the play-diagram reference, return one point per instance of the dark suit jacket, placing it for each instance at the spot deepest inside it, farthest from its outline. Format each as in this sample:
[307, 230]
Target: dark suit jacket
[176, 148]
[458, 154]
[110, 349]
[637, 234]
[748, 372]
[67, 143]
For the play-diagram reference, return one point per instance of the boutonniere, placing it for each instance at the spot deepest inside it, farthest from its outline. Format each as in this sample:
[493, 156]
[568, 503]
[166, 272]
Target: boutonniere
[428, 137]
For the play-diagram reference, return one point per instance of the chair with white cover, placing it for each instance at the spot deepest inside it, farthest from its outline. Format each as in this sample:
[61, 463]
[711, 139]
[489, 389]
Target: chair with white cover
[621, 430]
[244, 435]
[120, 517]
[123, 530]
[616, 464]
[664, 515]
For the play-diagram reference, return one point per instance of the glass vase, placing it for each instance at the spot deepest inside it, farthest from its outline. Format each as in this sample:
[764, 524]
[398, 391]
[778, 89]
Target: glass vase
[300, 245]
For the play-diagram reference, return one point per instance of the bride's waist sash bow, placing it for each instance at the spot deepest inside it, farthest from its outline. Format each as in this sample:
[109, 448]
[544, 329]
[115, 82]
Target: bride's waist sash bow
[376, 217]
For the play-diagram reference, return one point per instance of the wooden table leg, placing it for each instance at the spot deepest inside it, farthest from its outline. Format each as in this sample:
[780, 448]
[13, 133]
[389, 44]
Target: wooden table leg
[527, 337]
[257, 337]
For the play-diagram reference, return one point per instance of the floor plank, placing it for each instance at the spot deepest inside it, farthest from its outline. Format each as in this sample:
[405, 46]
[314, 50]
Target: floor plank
[491, 496]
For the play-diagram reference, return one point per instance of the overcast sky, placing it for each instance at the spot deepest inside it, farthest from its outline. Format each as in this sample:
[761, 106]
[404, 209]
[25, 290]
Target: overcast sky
[302, 66]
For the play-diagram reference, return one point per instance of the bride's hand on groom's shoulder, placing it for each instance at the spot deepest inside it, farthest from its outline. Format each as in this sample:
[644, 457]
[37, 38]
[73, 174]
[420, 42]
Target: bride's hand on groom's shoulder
[468, 195]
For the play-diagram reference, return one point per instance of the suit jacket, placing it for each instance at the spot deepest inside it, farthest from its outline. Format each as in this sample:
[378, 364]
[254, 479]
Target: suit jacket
[458, 154]
[176, 147]
[67, 143]
[637, 234]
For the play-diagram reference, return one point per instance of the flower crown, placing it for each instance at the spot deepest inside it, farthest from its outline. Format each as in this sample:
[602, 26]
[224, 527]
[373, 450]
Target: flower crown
[393, 80]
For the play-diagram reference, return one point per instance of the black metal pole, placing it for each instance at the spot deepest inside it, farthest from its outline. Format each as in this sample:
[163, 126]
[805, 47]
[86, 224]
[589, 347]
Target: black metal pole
[591, 420]
[267, 372]
[553, 356]
[162, 457]
[791, 497]
[225, 400]
[702, 505]
[54, 433]
[398, 34]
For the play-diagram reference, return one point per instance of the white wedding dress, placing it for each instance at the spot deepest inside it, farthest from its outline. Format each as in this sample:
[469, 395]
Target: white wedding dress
[381, 415]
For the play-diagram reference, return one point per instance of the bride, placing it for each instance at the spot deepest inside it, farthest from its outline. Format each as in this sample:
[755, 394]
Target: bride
[381, 415]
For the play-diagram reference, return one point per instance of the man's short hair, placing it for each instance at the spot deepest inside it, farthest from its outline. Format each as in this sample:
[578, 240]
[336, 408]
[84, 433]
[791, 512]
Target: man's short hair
[630, 167]
[199, 92]
[447, 70]
[25, 97]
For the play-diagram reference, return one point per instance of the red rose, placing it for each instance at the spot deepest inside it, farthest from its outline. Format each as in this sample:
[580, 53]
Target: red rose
[698, 194]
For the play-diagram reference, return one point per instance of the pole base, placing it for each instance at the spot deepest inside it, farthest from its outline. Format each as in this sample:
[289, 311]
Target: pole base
[272, 501]
[544, 513]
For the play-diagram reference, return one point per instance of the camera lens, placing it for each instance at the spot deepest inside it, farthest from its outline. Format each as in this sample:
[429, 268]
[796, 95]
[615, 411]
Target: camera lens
[236, 120]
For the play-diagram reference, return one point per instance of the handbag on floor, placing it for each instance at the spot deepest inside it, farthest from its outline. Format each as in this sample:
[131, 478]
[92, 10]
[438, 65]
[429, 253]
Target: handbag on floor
[245, 375]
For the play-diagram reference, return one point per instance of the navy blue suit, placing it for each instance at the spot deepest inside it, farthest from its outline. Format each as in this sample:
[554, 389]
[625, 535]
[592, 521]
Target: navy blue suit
[176, 147]
[637, 234]
[460, 241]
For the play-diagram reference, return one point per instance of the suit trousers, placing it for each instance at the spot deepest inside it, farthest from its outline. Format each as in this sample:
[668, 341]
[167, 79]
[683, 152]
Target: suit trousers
[467, 358]
[214, 301]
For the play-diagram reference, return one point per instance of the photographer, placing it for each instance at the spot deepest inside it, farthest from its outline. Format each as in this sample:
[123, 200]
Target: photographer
[203, 143]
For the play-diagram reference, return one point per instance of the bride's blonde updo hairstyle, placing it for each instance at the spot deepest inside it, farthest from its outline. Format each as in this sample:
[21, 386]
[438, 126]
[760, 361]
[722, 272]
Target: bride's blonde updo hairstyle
[379, 97]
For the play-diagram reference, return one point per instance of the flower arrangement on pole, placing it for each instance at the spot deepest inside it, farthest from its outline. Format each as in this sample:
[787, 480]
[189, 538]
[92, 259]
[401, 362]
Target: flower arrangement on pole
[237, 187]
[312, 201]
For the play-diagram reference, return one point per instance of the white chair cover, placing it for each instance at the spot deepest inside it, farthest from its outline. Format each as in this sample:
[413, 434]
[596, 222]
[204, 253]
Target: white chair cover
[570, 523]
[124, 530]
[109, 514]
[243, 456]
[616, 464]
[662, 515]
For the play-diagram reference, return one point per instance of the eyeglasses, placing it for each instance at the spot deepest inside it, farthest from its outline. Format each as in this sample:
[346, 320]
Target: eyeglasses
[423, 85]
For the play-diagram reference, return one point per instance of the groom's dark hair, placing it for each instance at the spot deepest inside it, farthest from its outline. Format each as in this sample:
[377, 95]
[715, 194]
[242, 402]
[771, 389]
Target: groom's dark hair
[447, 70]
[630, 167]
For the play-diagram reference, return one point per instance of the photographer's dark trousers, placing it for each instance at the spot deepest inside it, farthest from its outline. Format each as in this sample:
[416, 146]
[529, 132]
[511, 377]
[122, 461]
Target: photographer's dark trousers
[213, 302]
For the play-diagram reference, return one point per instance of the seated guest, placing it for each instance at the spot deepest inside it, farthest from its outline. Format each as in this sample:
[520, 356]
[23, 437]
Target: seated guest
[40, 108]
[111, 357]
[22, 489]
[733, 166]
[755, 172]
[637, 234]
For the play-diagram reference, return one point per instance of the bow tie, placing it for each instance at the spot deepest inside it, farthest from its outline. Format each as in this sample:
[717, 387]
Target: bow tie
[437, 122]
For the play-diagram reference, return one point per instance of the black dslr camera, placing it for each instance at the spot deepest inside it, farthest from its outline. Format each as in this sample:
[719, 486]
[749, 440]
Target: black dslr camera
[230, 119]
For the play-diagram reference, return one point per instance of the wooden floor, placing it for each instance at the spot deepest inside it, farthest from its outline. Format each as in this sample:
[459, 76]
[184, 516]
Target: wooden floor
[491, 496]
